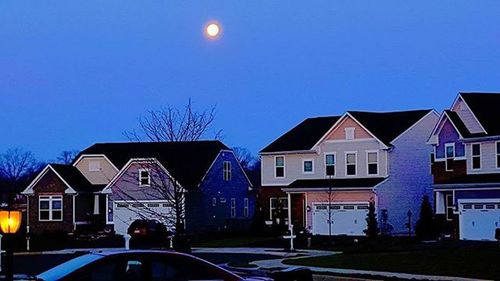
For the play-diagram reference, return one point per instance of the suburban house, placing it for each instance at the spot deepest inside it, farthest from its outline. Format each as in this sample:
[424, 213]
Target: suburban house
[325, 171]
[466, 167]
[109, 185]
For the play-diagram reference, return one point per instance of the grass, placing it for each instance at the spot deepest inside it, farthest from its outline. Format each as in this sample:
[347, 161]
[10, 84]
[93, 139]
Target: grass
[464, 259]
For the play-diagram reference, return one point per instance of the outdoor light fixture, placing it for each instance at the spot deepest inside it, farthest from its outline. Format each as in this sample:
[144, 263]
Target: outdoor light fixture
[10, 221]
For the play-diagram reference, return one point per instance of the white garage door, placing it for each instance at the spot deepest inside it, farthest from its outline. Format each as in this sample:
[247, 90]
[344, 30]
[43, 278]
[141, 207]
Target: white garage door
[125, 213]
[347, 219]
[478, 220]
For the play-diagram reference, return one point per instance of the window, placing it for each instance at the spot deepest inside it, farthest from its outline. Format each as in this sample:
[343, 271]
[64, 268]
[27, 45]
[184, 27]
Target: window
[450, 155]
[144, 178]
[308, 166]
[449, 207]
[50, 208]
[279, 166]
[498, 154]
[349, 133]
[476, 156]
[330, 164]
[245, 207]
[94, 166]
[233, 207]
[278, 207]
[372, 160]
[226, 171]
[222, 200]
[214, 202]
[350, 164]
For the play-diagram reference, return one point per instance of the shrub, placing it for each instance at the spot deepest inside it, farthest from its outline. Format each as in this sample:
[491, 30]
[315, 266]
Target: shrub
[371, 221]
[426, 227]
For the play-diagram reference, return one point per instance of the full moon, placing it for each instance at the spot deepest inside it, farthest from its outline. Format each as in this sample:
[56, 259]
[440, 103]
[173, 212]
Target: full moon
[212, 30]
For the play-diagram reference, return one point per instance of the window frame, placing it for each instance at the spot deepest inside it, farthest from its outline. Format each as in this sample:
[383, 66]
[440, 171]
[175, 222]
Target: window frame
[497, 143]
[246, 212]
[271, 208]
[139, 172]
[304, 163]
[233, 207]
[472, 156]
[276, 166]
[95, 166]
[226, 171]
[368, 163]
[446, 158]
[449, 210]
[214, 201]
[350, 133]
[334, 165]
[50, 199]
[355, 163]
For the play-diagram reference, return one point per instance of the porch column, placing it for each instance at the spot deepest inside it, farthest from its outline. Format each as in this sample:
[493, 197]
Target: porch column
[289, 209]
[96, 204]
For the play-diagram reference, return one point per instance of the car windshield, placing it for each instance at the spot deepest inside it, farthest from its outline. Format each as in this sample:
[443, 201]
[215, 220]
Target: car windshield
[66, 268]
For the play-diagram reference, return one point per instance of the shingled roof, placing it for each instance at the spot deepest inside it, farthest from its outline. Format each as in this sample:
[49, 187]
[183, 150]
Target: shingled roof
[75, 179]
[303, 136]
[485, 107]
[336, 183]
[187, 161]
[387, 126]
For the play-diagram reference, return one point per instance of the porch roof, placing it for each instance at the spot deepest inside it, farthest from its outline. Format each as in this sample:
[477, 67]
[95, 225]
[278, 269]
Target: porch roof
[354, 183]
[75, 179]
[469, 180]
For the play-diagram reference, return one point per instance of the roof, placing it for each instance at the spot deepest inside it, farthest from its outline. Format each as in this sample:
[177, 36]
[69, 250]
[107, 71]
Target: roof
[473, 179]
[485, 107]
[459, 124]
[186, 161]
[387, 126]
[303, 136]
[75, 178]
[337, 183]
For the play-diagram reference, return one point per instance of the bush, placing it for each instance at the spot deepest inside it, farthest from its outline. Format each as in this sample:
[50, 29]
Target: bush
[371, 221]
[426, 227]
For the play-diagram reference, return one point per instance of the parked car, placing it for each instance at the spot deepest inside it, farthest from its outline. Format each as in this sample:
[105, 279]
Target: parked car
[136, 265]
[148, 233]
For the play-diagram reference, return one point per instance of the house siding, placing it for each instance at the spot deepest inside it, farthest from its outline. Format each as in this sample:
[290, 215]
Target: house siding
[104, 176]
[467, 116]
[409, 175]
[488, 158]
[448, 134]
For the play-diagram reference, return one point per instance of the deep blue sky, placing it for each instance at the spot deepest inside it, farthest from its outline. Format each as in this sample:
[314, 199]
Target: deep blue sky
[77, 72]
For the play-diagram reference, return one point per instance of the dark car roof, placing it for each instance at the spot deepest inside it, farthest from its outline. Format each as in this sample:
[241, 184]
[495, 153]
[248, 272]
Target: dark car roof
[187, 161]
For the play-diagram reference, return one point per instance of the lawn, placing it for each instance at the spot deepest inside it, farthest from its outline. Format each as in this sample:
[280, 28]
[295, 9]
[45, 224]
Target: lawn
[462, 259]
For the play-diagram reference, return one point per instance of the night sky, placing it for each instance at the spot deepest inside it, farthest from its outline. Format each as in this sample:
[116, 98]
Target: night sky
[73, 73]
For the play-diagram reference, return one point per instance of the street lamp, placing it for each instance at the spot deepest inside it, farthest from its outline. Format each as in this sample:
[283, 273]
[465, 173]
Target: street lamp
[10, 221]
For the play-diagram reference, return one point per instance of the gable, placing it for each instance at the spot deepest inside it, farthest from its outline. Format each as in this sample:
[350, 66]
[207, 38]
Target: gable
[96, 168]
[50, 182]
[467, 116]
[339, 133]
[448, 134]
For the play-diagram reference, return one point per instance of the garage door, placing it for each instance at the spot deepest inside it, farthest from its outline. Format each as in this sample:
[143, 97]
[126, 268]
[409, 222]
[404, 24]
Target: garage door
[349, 219]
[478, 220]
[125, 213]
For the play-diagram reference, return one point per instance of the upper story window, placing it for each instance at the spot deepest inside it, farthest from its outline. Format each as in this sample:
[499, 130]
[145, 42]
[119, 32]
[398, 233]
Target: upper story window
[226, 171]
[349, 133]
[144, 177]
[330, 164]
[308, 166]
[94, 166]
[476, 156]
[233, 207]
[498, 154]
[372, 161]
[245, 207]
[279, 166]
[450, 155]
[50, 208]
[350, 163]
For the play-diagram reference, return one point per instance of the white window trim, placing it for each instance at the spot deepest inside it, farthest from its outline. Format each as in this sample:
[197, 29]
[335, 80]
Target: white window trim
[367, 163]
[271, 206]
[233, 207]
[446, 145]
[91, 167]
[334, 165]
[348, 131]
[51, 198]
[480, 157]
[228, 172]
[446, 206]
[284, 166]
[139, 177]
[303, 162]
[497, 153]
[355, 163]
[246, 212]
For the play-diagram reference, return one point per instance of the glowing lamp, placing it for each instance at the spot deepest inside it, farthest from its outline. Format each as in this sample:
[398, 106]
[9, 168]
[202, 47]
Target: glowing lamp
[10, 221]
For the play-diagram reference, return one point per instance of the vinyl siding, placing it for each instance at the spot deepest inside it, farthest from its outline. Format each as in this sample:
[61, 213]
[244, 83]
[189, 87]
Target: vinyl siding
[448, 134]
[488, 158]
[104, 176]
[467, 117]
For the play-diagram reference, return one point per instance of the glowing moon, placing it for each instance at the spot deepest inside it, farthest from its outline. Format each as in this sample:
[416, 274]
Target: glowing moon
[212, 30]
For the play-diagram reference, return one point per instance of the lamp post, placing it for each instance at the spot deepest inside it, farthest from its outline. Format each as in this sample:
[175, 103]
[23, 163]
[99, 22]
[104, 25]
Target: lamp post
[10, 221]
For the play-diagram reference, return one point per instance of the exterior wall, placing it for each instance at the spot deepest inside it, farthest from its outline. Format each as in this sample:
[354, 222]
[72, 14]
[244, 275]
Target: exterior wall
[103, 176]
[448, 134]
[50, 184]
[337, 196]
[293, 168]
[467, 116]
[218, 217]
[265, 195]
[488, 158]
[409, 176]
[458, 168]
[348, 122]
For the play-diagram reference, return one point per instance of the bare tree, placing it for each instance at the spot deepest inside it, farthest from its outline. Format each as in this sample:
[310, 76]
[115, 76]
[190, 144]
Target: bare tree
[244, 156]
[17, 164]
[67, 156]
[174, 124]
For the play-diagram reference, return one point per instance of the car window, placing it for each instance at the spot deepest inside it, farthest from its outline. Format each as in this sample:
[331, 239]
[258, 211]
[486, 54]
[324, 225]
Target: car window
[184, 269]
[114, 269]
